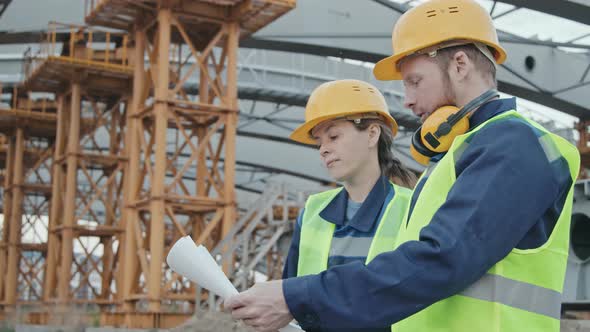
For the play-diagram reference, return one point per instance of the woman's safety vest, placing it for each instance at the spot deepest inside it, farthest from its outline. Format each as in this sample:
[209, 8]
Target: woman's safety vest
[317, 233]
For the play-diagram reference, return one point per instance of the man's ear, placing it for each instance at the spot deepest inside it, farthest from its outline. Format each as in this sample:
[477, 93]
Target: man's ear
[460, 66]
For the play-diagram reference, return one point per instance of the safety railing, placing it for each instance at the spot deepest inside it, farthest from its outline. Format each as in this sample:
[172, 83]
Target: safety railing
[23, 101]
[81, 45]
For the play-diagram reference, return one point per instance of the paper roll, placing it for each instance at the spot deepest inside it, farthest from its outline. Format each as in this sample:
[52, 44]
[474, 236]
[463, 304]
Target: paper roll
[196, 263]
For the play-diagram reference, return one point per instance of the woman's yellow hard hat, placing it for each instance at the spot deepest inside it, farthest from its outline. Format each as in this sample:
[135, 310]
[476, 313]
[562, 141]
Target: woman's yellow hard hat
[342, 99]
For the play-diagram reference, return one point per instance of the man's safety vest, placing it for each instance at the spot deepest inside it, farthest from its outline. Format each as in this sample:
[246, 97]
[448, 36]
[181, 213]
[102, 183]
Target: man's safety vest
[522, 292]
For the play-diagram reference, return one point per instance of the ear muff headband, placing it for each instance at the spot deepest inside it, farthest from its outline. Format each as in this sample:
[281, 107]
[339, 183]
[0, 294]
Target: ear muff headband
[468, 108]
[444, 128]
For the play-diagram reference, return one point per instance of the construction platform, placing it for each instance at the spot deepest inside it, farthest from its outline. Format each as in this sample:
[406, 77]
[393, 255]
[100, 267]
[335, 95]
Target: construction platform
[38, 118]
[99, 59]
[201, 18]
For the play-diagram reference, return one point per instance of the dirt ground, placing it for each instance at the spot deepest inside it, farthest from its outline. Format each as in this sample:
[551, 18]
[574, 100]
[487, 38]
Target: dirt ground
[221, 322]
[575, 325]
[212, 322]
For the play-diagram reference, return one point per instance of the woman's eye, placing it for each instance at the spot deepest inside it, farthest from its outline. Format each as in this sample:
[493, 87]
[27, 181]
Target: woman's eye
[333, 137]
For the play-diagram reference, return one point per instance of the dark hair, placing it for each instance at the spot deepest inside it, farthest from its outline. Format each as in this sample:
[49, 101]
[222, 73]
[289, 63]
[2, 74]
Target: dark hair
[483, 64]
[390, 166]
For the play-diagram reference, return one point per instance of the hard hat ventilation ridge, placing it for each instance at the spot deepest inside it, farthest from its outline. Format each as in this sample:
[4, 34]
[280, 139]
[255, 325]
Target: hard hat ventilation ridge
[452, 10]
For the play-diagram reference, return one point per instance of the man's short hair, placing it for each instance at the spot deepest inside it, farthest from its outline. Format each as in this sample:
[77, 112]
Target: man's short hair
[482, 63]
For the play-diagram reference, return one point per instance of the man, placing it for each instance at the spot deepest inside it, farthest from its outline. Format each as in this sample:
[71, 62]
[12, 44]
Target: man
[486, 238]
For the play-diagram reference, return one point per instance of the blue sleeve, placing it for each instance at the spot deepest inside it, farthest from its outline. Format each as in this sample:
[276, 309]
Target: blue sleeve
[290, 269]
[504, 183]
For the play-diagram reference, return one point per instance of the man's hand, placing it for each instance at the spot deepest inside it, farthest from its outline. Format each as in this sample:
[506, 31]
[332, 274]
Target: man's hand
[263, 306]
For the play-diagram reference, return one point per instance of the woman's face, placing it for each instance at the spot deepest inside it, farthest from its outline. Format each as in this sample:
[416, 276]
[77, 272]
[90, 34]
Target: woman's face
[344, 150]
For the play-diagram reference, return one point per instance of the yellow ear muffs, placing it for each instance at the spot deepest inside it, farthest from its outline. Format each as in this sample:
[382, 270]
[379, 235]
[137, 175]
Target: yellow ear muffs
[439, 130]
[436, 135]
[418, 151]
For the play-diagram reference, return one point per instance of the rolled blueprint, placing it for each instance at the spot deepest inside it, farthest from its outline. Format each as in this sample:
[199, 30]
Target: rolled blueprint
[196, 263]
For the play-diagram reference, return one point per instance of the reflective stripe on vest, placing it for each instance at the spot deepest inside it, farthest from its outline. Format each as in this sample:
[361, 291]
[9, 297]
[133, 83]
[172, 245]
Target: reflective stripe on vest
[522, 292]
[517, 294]
[317, 233]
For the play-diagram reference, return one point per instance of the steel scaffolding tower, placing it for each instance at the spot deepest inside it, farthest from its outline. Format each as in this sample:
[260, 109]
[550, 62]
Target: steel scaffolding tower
[164, 125]
[91, 81]
[29, 127]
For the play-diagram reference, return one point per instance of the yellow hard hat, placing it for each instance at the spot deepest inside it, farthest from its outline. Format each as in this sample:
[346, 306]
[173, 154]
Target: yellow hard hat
[342, 99]
[438, 22]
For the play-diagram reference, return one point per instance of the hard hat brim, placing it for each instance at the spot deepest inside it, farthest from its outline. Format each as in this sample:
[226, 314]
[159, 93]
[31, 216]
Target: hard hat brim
[301, 134]
[387, 69]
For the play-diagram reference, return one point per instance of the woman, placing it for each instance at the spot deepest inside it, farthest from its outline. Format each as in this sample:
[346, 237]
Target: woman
[350, 123]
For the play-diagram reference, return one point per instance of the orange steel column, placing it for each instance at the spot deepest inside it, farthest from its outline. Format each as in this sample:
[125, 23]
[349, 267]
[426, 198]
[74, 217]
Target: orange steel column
[56, 210]
[229, 216]
[111, 219]
[158, 180]
[4, 267]
[15, 223]
[129, 256]
[67, 235]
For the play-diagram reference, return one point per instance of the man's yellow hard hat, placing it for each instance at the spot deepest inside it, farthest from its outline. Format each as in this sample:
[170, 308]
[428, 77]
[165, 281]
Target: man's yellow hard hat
[437, 22]
[348, 99]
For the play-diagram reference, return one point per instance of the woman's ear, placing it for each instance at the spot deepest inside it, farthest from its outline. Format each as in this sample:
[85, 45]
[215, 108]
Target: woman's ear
[374, 131]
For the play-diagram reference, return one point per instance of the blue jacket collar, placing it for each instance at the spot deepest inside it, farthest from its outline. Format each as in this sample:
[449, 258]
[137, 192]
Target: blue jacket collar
[491, 109]
[364, 219]
[484, 113]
